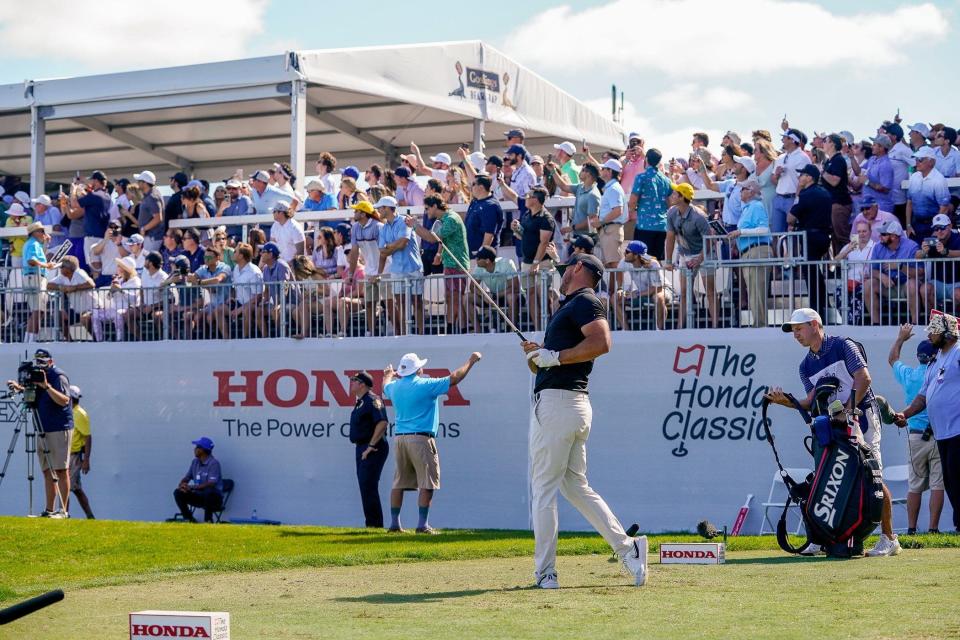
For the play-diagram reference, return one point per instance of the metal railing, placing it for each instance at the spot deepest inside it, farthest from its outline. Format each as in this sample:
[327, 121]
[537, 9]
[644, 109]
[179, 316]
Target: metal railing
[733, 293]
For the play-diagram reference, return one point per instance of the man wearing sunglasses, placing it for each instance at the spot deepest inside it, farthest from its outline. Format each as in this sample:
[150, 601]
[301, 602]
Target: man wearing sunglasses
[944, 242]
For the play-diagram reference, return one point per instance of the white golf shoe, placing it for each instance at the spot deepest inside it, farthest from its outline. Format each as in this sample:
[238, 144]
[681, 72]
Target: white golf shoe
[885, 547]
[548, 581]
[635, 560]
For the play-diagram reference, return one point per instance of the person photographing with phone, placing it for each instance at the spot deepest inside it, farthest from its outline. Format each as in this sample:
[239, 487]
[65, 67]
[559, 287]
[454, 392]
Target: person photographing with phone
[944, 242]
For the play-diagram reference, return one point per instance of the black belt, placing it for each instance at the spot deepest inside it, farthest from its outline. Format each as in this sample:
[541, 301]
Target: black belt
[418, 433]
[787, 195]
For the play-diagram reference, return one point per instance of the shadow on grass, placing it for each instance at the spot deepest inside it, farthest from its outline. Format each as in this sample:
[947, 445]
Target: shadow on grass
[440, 596]
[782, 560]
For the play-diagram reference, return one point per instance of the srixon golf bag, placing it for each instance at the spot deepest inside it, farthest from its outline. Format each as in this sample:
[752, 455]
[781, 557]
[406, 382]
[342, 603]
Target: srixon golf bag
[841, 501]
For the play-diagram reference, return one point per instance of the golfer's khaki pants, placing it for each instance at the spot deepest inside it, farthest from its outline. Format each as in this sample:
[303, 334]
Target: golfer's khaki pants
[559, 427]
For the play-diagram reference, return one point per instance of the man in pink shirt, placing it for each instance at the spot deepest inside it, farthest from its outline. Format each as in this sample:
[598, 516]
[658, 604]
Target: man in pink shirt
[871, 214]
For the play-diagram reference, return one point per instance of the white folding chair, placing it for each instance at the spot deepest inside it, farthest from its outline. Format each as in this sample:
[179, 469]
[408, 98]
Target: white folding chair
[779, 497]
[898, 473]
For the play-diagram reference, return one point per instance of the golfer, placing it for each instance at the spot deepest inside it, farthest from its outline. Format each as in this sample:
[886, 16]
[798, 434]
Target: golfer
[560, 422]
[416, 401]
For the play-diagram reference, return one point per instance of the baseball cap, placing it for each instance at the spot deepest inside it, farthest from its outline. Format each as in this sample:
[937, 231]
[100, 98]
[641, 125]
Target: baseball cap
[443, 158]
[204, 443]
[941, 220]
[260, 176]
[567, 147]
[495, 160]
[486, 253]
[536, 160]
[924, 152]
[637, 247]
[402, 172]
[195, 183]
[812, 171]
[633, 135]
[281, 205]
[588, 260]
[891, 228]
[76, 394]
[98, 175]
[685, 189]
[344, 230]
[926, 350]
[272, 247]
[515, 133]
[410, 363]
[363, 378]
[180, 178]
[477, 160]
[584, 242]
[43, 199]
[894, 129]
[146, 176]
[867, 201]
[801, 316]
[363, 206]
[351, 172]
[847, 136]
[734, 136]
[921, 128]
[517, 150]
[747, 163]
[883, 140]
[386, 201]
[132, 240]
[235, 184]
[613, 165]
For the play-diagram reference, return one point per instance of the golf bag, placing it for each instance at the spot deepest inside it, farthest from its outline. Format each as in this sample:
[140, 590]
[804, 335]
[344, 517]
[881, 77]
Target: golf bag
[841, 501]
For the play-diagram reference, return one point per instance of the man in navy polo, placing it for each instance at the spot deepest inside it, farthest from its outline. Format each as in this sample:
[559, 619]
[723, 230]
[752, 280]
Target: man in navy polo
[203, 485]
[484, 216]
[368, 431]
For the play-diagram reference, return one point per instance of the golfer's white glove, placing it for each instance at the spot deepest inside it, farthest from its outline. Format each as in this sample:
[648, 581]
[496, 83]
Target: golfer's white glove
[544, 358]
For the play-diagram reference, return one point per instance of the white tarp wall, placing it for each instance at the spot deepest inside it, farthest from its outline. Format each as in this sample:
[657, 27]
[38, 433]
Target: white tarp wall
[666, 449]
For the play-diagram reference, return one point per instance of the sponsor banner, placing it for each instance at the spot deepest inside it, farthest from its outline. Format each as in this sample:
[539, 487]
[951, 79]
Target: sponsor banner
[692, 553]
[150, 625]
[676, 437]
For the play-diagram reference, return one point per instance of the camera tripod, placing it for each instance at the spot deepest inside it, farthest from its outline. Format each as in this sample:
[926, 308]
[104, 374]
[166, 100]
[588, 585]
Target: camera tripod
[26, 419]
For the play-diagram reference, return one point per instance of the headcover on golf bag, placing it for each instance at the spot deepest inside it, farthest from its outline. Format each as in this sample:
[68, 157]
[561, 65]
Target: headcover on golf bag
[842, 499]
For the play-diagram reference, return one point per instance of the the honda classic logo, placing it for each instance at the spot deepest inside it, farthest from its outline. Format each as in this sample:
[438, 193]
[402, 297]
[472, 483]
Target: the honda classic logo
[168, 631]
[825, 508]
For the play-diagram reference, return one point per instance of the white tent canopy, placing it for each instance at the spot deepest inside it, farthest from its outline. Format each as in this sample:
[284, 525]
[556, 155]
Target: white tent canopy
[363, 105]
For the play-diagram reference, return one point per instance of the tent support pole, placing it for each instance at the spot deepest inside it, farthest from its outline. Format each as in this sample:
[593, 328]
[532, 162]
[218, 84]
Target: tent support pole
[298, 127]
[38, 152]
[478, 135]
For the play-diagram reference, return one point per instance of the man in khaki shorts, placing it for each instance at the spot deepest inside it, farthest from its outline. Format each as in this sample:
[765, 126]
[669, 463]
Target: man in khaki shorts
[416, 401]
[612, 215]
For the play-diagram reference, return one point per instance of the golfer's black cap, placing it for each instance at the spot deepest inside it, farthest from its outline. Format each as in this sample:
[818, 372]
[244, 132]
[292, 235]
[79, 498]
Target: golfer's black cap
[588, 260]
[363, 378]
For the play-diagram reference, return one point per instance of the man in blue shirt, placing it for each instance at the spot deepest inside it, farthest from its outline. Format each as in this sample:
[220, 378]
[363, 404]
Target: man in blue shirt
[237, 204]
[924, 469]
[613, 214]
[93, 207]
[648, 198]
[754, 243]
[203, 485]
[880, 182]
[416, 400]
[927, 195]
[216, 275]
[895, 272]
[317, 198]
[484, 216]
[35, 267]
[398, 243]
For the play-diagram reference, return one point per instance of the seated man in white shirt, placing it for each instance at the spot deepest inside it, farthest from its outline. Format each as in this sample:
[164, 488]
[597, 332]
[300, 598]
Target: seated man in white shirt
[77, 289]
[151, 295]
[248, 289]
[286, 232]
[643, 282]
[502, 280]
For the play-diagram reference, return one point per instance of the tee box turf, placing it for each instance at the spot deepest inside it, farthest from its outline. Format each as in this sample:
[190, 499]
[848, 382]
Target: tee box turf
[692, 552]
[149, 625]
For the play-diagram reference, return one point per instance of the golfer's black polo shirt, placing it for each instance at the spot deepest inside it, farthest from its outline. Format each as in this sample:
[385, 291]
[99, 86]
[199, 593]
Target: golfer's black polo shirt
[366, 415]
[563, 332]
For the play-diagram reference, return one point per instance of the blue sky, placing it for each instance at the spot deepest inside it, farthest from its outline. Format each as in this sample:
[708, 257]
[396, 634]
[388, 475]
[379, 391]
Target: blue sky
[683, 65]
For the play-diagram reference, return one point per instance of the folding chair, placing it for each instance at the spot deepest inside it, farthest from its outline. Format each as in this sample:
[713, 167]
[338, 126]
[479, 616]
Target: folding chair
[218, 513]
[899, 473]
[777, 487]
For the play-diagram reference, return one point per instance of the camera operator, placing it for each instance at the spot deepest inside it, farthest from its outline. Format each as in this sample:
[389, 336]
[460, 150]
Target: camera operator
[55, 414]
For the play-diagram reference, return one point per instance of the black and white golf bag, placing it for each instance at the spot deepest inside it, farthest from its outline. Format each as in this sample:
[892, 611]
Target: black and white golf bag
[841, 501]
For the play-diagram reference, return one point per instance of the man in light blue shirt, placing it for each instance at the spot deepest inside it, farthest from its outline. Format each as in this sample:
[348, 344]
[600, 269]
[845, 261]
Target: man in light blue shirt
[35, 267]
[754, 243]
[613, 214]
[416, 401]
[264, 196]
[927, 195]
[398, 246]
[925, 470]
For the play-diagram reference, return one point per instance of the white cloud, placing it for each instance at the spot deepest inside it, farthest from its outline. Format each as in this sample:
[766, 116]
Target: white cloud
[696, 37]
[690, 99]
[110, 35]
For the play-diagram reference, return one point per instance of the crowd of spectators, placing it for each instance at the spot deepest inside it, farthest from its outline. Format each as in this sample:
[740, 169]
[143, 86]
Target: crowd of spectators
[128, 270]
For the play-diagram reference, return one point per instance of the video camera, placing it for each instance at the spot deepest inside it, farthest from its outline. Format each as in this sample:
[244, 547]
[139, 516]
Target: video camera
[29, 374]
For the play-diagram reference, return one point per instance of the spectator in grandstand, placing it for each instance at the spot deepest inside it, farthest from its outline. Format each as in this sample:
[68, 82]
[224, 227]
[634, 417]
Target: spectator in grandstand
[35, 265]
[855, 254]
[81, 446]
[256, 238]
[151, 295]
[286, 180]
[939, 396]
[265, 196]
[277, 277]
[173, 210]
[502, 280]
[308, 275]
[215, 276]
[49, 216]
[123, 294]
[350, 194]
[17, 217]
[133, 247]
[612, 215]
[634, 162]
[409, 192]
[326, 165]
[439, 164]
[687, 230]
[648, 204]
[897, 276]
[944, 242]
[202, 486]
[642, 284]
[917, 135]
[871, 214]
[286, 232]
[150, 220]
[927, 195]
[317, 199]
[765, 157]
[901, 159]
[455, 185]
[178, 316]
[220, 241]
[586, 198]
[924, 470]
[880, 181]
[398, 243]
[219, 197]
[365, 236]
[948, 158]
[449, 229]
[77, 290]
[754, 243]
[172, 247]
[563, 156]
[192, 248]
[484, 216]
[92, 205]
[235, 204]
[728, 155]
[103, 254]
[786, 175]
[812, 214]
[834, 180]
[534, 231]
[247, 288]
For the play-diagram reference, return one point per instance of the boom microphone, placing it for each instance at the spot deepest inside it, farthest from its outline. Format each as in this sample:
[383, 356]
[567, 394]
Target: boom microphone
[27, 607]
[708, 530]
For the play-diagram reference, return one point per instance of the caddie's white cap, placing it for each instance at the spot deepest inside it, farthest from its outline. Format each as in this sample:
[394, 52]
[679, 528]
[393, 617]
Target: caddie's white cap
[410, 363]
[386, 201]
[613, 164]
[146, 176]
[801, 316]
[441, 157]
[567, 147]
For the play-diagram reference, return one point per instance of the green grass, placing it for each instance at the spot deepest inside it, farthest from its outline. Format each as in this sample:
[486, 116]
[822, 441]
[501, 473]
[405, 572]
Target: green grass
[308, 582]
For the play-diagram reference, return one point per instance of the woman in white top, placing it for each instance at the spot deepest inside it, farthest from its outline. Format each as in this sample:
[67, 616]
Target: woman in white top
[123, 294]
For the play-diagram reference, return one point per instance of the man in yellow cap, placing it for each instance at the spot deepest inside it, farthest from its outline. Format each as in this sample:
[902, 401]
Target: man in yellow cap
[687, 228]
[365, 236]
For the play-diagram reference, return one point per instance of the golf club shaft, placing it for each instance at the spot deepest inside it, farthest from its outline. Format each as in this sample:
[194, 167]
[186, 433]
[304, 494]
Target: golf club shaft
[483, 292]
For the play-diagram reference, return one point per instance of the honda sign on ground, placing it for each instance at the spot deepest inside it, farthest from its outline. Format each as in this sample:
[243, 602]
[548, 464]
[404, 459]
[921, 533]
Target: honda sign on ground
[151, 625]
